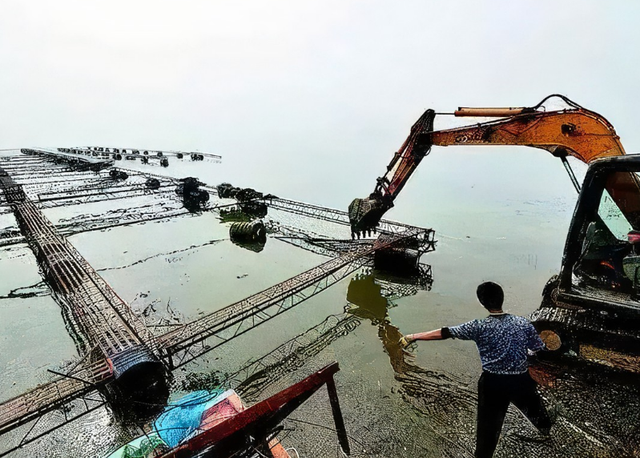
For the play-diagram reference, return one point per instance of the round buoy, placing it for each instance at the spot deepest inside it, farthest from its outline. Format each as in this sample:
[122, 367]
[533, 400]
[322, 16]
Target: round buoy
[248, 231]
[153, 183]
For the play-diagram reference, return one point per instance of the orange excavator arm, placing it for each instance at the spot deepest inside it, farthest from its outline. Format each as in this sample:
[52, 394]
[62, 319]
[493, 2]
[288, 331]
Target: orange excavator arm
[574, 131]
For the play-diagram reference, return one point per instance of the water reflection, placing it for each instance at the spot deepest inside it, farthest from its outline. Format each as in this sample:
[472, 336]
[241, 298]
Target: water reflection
[370, 299]
[449, 403]
[256, 247]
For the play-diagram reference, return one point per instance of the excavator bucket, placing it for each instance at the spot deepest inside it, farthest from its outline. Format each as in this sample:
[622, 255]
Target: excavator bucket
[365, 214]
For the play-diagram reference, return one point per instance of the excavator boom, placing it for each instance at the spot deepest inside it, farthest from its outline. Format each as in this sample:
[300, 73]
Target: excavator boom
[579, 133]
[574, 131]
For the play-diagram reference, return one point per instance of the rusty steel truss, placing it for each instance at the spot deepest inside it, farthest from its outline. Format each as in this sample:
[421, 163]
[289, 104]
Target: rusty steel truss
[335, 216]
[104, 326]
[186, 343]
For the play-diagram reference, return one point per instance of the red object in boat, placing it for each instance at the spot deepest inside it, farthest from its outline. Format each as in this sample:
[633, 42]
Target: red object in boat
[252, 427]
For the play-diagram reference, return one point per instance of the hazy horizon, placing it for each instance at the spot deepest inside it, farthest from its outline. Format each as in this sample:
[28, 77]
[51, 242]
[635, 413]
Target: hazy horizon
[306, 98]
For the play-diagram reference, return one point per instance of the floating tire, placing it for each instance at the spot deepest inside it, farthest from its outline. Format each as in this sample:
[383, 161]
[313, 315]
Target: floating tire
[253, 231]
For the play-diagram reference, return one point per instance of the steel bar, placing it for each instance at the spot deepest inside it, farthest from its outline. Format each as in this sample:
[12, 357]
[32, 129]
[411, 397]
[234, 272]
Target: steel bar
[105, 320]
[49, 396]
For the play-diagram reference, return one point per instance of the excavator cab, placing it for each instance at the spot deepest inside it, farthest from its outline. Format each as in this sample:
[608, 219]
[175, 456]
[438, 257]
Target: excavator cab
[592, 308]
[601, 258]
[601, 252]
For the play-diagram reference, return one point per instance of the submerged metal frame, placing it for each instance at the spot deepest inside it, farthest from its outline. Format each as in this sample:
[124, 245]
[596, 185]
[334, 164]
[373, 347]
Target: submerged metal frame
[67, 270]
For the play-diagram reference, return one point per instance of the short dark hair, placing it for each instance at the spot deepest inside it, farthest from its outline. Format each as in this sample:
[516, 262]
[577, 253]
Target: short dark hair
[490, 295]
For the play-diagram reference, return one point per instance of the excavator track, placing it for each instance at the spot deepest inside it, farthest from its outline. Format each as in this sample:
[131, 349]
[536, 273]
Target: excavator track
[588, 335]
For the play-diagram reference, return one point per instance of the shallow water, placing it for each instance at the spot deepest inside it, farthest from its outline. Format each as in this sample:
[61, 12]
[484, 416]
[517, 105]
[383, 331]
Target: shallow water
[394, 403]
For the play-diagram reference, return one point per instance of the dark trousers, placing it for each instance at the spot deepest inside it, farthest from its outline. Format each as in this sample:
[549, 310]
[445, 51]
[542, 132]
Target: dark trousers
[495, 392]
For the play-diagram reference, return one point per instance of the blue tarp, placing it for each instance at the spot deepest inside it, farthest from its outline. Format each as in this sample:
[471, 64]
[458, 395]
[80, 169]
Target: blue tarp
[183, 417]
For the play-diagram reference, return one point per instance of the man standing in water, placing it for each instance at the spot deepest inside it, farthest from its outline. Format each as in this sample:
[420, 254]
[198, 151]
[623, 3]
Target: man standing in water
[504, 342]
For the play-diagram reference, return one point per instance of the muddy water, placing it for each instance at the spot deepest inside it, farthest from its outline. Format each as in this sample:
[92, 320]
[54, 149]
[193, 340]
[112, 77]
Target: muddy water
[417, 404]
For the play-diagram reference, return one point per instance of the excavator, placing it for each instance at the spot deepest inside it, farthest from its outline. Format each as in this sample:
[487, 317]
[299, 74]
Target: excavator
[590, 311]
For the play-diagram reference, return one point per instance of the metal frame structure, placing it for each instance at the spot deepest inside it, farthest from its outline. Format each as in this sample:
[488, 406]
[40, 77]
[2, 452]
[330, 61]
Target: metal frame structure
[105, 326]
[339, 216]
[178, 345]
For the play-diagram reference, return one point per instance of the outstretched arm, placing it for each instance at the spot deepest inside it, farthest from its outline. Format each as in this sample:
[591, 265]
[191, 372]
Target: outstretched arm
[436, 334]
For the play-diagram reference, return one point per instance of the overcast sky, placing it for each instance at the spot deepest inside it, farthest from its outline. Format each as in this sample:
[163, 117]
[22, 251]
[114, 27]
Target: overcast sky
[307, 98]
